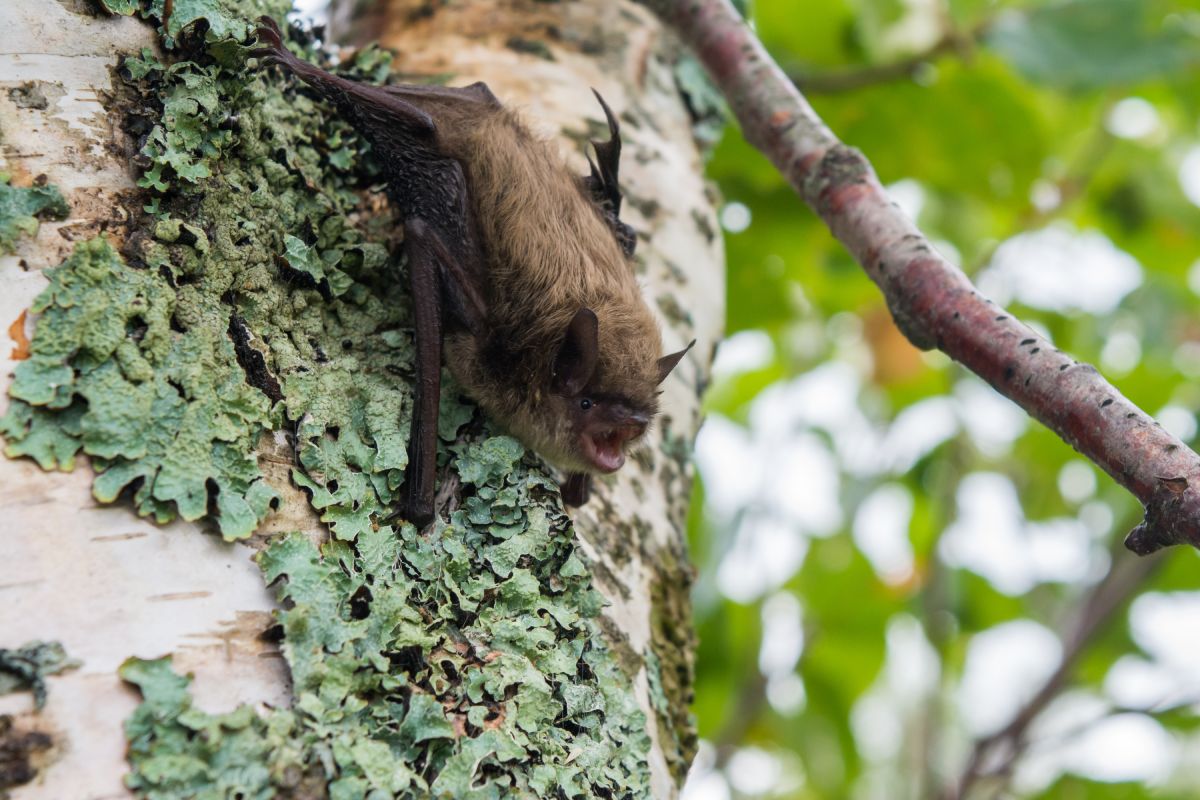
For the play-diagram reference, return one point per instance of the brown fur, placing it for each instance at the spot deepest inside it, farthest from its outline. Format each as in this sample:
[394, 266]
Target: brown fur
[550, 253]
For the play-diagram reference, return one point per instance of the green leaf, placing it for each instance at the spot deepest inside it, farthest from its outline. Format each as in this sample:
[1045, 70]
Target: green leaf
[1087, 44]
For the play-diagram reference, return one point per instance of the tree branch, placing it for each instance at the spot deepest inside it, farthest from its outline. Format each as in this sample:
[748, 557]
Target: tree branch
[931, 300]
[848, 79]
[1125, 577]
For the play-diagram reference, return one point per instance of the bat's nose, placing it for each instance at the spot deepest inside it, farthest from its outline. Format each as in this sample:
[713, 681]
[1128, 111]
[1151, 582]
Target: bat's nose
[626, 417]
[634, 425]
[637, 418]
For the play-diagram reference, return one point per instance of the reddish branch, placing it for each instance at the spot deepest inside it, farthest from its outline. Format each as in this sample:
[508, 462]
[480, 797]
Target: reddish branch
[930, 299]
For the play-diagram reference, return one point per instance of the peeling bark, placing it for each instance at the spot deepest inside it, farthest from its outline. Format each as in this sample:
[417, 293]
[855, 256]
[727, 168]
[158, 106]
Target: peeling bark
[931, 300]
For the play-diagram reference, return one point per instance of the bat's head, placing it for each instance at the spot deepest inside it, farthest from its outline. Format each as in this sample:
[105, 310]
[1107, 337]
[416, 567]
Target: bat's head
[605, 388]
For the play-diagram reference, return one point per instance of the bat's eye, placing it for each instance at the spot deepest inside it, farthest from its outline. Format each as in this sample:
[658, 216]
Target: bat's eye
[585, 404]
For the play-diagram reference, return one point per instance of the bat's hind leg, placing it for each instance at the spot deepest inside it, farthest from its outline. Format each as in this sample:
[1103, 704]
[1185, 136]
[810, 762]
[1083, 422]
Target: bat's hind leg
[576, 489]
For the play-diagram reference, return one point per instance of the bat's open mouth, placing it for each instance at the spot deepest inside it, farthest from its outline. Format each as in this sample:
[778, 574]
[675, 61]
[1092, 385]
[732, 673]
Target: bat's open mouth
[606, 449]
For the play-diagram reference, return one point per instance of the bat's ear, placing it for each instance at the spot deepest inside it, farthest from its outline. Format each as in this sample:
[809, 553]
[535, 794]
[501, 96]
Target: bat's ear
[668, 362]
[577, 357]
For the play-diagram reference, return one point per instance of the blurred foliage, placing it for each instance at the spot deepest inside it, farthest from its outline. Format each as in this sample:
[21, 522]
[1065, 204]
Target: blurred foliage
[1000, 118]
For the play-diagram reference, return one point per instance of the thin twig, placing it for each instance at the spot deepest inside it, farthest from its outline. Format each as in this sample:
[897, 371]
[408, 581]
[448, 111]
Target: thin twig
[1125, 577]
[931, 300]
[1070, 186]
[848, 79]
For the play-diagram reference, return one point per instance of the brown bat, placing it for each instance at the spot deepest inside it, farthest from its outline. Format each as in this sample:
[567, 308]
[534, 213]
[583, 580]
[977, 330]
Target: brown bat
[525, 264]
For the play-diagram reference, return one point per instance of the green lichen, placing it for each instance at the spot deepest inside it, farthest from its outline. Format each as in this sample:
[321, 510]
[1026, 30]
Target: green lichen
[168, 415]
[670, 662]
[463, 661]
[26, 667]
[257, 295]
[704, 100]
[222, 19]
[20, 209]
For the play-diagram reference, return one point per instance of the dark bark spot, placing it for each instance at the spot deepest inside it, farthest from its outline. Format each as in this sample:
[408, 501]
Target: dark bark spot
[360, 603]
[17, 749]
[409, 659]
[272, 635]
[1106, 403]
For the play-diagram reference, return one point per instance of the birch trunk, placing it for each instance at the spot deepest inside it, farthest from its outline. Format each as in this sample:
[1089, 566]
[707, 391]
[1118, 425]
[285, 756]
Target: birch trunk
[108, 584]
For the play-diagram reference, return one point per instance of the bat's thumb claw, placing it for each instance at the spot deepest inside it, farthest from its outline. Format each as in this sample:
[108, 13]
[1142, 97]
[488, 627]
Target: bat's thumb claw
[270, 37]
[268, 23]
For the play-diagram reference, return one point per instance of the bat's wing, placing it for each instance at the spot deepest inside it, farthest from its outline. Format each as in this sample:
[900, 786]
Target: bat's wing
[430, 191]
[602, 182]
[477, 94]
[425, 184]
[420, 479]
[439, 289]
[393, 124]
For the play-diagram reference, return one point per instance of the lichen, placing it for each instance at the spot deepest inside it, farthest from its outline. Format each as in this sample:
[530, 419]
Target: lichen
[670, 662]
[258, 294]
[21, 207]
[461, 661]
[26, 667]
[704, 101]
[168, 413]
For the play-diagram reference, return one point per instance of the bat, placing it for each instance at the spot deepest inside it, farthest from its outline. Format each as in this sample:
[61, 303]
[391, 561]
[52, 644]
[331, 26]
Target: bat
[520, 269]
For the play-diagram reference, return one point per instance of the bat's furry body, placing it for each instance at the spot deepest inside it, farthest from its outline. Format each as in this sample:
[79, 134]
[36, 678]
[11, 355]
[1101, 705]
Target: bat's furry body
[527, 265]
[551, 253]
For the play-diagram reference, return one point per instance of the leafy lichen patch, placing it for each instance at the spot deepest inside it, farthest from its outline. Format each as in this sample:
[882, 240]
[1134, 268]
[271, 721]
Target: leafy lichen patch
[255, 298]
[462, 661]
[21, 207]
[166, 414]
[26, 667]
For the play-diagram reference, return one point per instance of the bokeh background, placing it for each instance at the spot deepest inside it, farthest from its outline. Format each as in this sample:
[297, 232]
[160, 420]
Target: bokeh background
[907, 588]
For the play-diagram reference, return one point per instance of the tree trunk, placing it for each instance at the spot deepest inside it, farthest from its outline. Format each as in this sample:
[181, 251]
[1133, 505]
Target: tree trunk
[109, 585]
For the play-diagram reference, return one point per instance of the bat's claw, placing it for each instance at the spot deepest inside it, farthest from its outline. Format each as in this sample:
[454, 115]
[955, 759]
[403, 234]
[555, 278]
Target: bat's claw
[576, 489]
[420, 516]
[269, 35]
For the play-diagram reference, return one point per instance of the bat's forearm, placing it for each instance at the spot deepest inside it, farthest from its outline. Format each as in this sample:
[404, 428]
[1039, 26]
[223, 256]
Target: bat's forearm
[421, 247]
